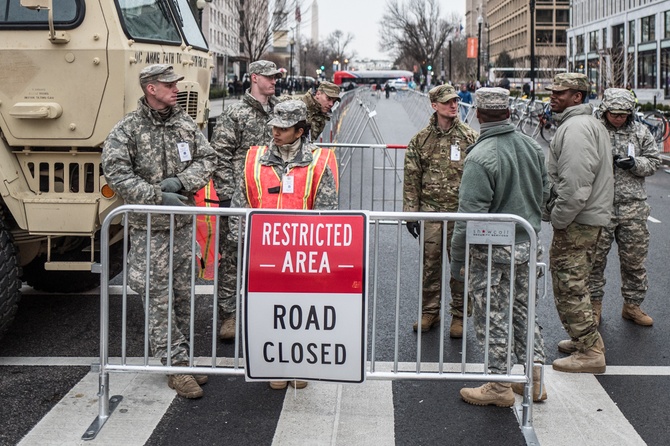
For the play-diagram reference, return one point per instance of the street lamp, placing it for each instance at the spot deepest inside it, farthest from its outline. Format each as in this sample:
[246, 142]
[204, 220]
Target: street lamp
[480, 20]
[200, 4]
[346, 64]
[290, 66]
[304, 63]
[532, 49]
[449, 39]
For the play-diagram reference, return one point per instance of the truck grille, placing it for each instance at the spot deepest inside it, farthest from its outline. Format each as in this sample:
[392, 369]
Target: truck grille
[188, 100]
[61, 173]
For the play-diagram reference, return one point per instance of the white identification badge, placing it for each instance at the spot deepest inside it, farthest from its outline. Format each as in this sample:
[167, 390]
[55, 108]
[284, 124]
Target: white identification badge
[184, 151]
[455, 152]
[287, 184]
[631, 150]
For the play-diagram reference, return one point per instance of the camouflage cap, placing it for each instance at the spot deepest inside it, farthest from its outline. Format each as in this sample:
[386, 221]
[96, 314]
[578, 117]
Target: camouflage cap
[618, 101]
[570, 81]
[288, 113]
[264, 68]
[330, 89]
[159, 72]
[494, 98]
[442, 93]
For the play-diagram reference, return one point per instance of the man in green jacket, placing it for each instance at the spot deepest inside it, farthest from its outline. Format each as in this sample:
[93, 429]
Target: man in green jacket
[319, 106]
[504, 173]
[580, 170]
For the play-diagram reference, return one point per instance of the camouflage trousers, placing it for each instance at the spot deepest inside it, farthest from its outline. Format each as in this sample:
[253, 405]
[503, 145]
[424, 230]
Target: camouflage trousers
[432, 271]
[629, 228]
[571, 261]
[499, 305]
[227, 270]
[160, 313]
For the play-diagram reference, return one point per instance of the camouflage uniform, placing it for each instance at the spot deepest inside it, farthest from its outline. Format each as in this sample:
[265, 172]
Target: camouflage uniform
[490, 184]
[579, 161]
[629, 220]
[138, 154]
[287, 114]
[239, 127]
[431, 184]
[315, 116]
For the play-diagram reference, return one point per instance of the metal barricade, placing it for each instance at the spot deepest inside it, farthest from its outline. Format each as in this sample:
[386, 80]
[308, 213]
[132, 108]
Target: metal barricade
[389, 239]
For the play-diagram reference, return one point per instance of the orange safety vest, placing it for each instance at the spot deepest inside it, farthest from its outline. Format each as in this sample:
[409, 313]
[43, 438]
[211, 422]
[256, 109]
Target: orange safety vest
[264, 188]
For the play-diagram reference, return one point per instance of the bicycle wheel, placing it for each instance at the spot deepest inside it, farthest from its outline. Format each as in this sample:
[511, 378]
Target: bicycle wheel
[528, 125]
[548, 130]
[514, 118]
[657, 124]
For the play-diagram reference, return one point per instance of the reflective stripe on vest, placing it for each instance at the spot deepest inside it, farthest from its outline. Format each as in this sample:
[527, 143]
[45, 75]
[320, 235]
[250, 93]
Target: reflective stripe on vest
[261, 179]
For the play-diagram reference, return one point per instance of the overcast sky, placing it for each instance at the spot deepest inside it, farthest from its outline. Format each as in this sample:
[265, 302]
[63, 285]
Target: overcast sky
[360, 18]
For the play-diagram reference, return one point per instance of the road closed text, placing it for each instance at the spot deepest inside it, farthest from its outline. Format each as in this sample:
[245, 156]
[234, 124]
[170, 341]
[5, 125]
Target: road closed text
[297, 318]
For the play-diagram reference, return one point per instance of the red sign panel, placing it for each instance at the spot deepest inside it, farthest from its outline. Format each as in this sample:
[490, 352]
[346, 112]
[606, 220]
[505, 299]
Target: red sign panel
[308, 253]
[472, 47]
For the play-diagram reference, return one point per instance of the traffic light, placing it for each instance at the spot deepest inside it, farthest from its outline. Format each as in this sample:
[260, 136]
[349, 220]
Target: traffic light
[323, 67]
[430, 67]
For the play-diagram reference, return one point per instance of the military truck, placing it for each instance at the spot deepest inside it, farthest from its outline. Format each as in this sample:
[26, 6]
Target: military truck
[68, 73]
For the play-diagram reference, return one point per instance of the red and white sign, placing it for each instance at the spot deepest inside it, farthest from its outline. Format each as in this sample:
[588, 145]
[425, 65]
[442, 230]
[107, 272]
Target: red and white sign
[305, 308]
[472, 48]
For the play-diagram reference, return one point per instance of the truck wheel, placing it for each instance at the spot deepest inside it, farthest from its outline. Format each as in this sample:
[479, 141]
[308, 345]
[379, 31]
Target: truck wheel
[10, 284]
[40, 279]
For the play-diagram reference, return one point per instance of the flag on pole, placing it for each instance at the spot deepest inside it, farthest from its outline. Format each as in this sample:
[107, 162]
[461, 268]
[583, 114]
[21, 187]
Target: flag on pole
[297, 13]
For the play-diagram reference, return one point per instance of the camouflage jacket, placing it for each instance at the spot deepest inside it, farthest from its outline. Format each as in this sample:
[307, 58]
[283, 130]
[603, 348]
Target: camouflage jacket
[141, 151]
[629, 184]
[432, 179]
[315, 116]
[240, 126]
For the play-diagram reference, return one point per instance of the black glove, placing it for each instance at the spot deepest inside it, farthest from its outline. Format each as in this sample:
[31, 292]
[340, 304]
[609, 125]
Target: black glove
[414, 228]
[172, 199]
[171, 185]
[624, 163]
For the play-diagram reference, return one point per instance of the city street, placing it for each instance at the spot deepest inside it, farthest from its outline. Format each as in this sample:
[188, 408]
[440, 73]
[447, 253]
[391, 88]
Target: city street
[49, 391]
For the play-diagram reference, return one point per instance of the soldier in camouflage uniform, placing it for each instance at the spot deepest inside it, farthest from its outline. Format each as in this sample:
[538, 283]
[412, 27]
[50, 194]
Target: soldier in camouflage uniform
[319, 106]
[157, 155]
[579, 165]
[433, 169]
[491, 184]
[240, 126]
[636, 156]
[291, 173]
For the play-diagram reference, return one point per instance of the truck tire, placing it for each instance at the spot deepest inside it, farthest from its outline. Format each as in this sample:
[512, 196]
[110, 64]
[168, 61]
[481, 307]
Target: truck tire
[10, 284]
[41, 279]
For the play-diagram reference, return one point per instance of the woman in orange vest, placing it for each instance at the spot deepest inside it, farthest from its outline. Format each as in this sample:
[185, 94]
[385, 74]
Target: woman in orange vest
[291, 173]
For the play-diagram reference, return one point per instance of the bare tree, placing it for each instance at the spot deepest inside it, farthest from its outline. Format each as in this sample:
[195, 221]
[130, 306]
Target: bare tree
[257, 25]
[415, 28]
[337, 43]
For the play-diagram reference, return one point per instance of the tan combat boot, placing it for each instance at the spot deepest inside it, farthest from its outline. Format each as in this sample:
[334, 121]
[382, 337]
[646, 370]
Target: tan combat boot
[590, 361]
[567, 346]
[499, 394]
[456, 328]
[597, 311]
[538, 385]
[634, 313]
[185, 385]
[279, 385]
[227, 328]
[428, 320]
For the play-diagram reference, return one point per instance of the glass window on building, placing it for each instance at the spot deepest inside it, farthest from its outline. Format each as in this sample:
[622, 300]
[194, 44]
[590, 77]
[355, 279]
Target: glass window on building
[631, 32]
[544, 36]
[618, 35]
[666, 25]
[580, 44]
[561, 36]
[665, 71]
[646, 69]
[593, 41]
[544, 16]
[569, 47]
[562, 17]
[648, 28]
[604, 31]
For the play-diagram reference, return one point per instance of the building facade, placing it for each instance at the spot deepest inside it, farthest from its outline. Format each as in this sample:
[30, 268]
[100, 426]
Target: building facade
[221, 28]
[621, 42]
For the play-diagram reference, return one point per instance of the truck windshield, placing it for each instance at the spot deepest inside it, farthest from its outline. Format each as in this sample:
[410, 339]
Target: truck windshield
[189, 25]
[65, 12]
[148, 20]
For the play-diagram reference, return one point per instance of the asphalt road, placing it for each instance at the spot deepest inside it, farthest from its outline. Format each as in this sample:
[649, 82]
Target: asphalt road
[45, 371]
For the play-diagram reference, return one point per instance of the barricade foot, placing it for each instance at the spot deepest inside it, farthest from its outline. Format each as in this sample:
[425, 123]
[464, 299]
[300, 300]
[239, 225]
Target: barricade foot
[97, 424]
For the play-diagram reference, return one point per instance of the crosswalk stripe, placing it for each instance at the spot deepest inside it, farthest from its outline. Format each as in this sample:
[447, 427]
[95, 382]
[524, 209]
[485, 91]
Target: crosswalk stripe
[577, 411]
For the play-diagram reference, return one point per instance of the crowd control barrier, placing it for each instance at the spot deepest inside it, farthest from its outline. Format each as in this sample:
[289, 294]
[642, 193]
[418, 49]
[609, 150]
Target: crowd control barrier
[392, 286]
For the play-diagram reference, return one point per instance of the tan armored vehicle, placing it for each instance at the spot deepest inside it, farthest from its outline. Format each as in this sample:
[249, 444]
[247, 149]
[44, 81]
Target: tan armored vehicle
[68, 73]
